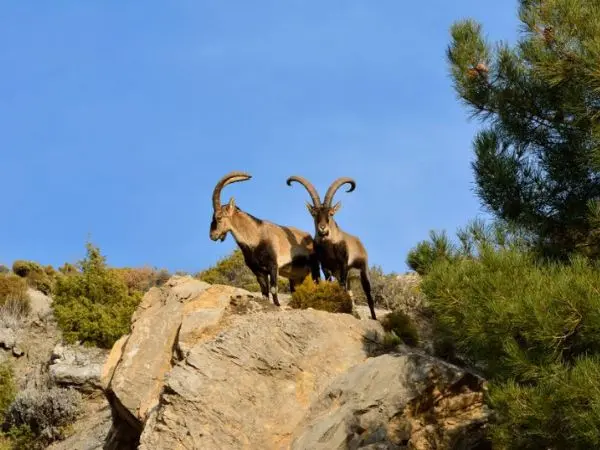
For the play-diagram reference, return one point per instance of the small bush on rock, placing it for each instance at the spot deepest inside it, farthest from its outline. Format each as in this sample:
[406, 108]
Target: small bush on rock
[38, 277]
[23, 268]
[93, 305]
[141, 279]
[400, 324]
[389, 290]
[45, 413]
[326, 296]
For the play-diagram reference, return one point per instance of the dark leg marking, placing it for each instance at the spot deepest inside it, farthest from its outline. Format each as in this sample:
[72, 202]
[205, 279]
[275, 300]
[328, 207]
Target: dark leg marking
[273, 276]
[366, 285]
[315, 269]
[263, 282]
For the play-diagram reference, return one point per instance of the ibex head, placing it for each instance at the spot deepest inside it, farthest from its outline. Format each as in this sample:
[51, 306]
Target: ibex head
[222, 214]
[323, 213]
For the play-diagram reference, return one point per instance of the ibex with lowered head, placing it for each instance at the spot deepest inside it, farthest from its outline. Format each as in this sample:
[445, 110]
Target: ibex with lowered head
[338, 251]
[269, 250]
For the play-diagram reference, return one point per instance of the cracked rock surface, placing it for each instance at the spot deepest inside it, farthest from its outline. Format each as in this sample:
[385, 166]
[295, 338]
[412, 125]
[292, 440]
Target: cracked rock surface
[214, 367]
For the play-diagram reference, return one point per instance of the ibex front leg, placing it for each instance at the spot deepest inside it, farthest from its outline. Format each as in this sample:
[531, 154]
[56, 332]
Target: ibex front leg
[263, 282]
[274, 275]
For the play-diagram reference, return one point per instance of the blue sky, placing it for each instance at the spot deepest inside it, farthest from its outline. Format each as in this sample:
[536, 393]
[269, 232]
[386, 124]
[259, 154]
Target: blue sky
[117, 118]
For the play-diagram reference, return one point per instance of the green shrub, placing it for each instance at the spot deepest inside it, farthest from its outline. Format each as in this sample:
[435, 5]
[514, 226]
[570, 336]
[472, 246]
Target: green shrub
[68, 269]
[471, 239]
[510, 315]
[13, 295]
[326, 296]
[533, 330]
[20, 438]
[93, 305]
[233, 271]
[7, 389]
[400, 324]
[4, 269]
[562, 410]
[38, 277]
[421, 258]
[23, 268]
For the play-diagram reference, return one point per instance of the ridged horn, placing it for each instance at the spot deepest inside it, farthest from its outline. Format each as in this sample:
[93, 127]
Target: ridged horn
[231, 177]
[309, 187]
[335, 186]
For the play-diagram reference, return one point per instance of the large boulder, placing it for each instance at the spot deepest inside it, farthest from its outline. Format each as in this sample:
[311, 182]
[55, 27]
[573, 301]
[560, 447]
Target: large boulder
[397, 400]
[213, 367]
[251, 384]
[136, 367]
[77, 366]
[41, 304]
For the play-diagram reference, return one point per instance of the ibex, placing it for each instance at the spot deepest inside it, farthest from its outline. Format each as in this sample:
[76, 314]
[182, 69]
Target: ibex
[338, 251]
[269, 250]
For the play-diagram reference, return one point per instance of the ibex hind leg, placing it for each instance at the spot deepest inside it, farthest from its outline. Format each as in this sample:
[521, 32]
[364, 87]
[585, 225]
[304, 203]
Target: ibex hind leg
[292, 286]
[366, 285]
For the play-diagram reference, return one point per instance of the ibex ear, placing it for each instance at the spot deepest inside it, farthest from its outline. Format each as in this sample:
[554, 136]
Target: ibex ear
[335, 208]
[231, 206]
[311, 209]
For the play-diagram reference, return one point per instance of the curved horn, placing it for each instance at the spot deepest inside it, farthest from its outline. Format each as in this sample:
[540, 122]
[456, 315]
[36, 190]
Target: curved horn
[231, 177]
[309, 187]
[335, 186]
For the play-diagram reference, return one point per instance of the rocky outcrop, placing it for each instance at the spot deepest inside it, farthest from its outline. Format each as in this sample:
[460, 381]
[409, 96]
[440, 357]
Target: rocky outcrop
[400, 400]
[41, 304]
[77, 366]
[213, 367]
[138, 363]
[251, 384]
[90, 430]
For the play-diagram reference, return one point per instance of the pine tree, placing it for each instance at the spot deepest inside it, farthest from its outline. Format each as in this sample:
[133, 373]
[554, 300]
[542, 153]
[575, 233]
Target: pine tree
[537, 160]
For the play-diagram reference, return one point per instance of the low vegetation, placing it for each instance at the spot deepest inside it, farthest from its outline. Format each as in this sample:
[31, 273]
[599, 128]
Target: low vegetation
[37, 276]
[532, 327]
[94, 305]
[7, 394]
[37, 417]
[232, 271]
[326, 296]
[401, 325]
[389, 290]
[142, 279]
[7, 389]
[14, 299]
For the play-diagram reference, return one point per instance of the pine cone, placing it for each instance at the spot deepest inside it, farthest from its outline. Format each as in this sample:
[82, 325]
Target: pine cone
[548, 35]
[481, 68]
